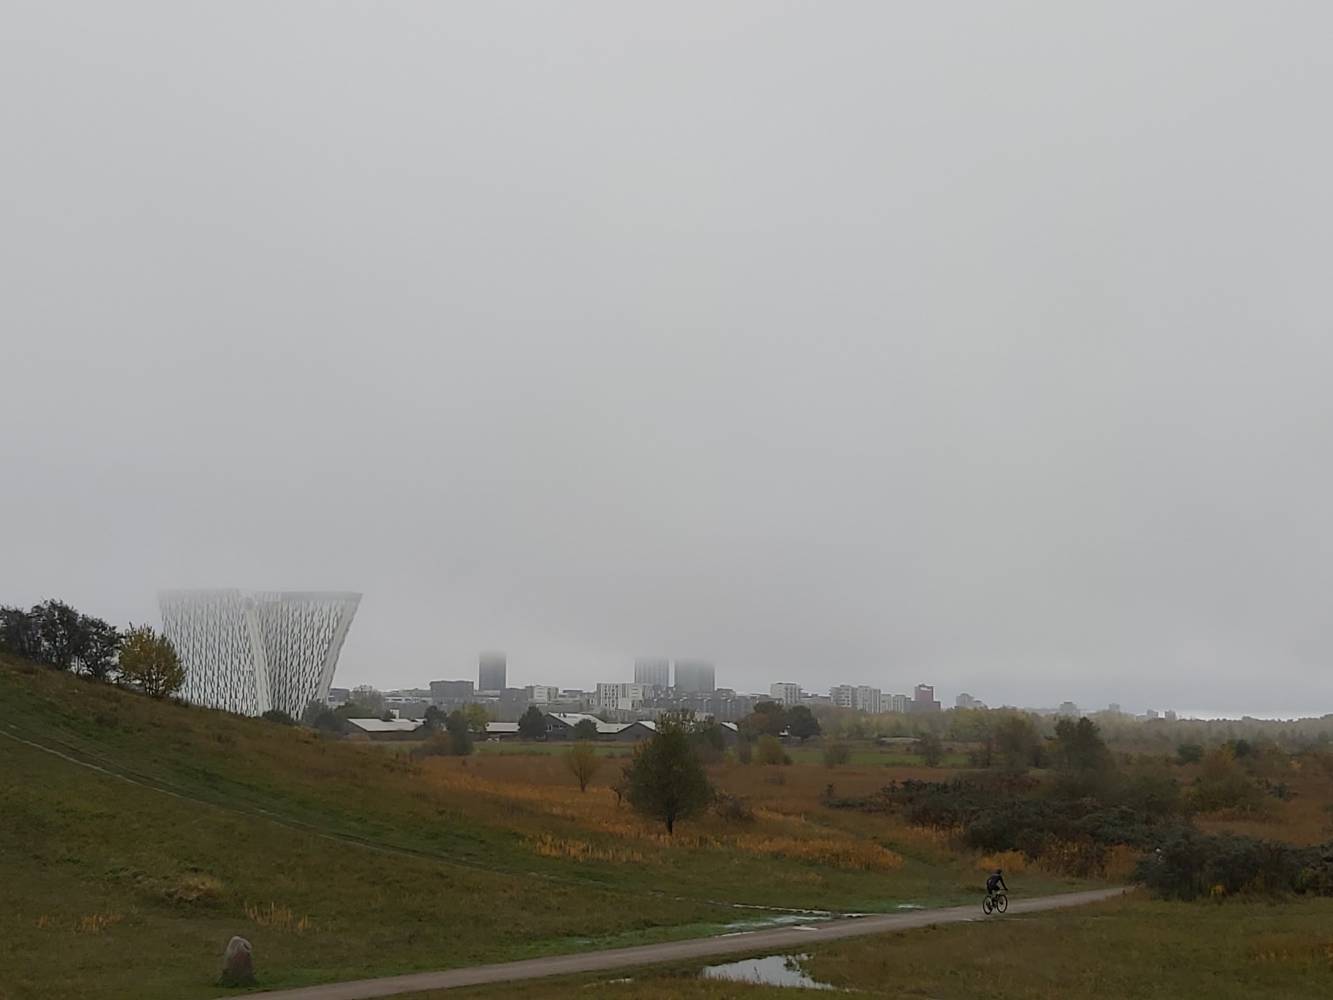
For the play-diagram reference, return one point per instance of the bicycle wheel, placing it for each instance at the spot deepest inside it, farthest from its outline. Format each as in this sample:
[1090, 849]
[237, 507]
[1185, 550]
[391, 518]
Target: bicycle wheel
[1002, 902]
[987, 905]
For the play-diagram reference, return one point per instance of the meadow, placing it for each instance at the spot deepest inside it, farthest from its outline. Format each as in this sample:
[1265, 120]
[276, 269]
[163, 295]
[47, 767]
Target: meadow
[155, 831]
[137, 836]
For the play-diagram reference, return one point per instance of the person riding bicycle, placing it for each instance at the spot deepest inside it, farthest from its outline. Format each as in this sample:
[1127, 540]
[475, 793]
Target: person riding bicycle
[995, 882]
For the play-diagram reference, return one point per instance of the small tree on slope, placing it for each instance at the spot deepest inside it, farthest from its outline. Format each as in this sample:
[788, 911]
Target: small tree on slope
[666, 781]
[149, 660]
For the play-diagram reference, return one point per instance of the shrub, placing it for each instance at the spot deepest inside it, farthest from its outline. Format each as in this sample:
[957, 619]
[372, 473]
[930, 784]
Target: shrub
[1190, 865]
[837, 753]
[744, 751]
[582, 761]
[733, 808]
[439, 744]
[1223, 784]
[194, 890]
[931, 749]
[769, 751]
[279, 716]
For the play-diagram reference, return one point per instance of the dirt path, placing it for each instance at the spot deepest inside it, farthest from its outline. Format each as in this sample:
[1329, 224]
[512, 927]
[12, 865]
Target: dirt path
[798, 938]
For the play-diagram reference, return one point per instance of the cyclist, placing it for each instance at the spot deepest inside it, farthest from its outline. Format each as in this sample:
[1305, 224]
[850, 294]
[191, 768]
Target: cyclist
[995, 882]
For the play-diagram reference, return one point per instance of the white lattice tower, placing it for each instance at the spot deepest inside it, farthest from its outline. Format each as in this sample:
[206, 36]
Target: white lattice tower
[250, 652]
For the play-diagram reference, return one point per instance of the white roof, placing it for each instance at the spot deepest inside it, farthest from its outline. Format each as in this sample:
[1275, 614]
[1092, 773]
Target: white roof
[732, 726]
[572, 719]
[392, 726]
[502, 727]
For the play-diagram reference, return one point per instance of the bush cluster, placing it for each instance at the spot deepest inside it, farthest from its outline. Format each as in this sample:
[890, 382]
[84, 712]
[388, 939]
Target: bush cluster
[1189, 865]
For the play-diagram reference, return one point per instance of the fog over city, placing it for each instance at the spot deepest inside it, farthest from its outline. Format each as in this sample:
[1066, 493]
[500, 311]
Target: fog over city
[979, 345]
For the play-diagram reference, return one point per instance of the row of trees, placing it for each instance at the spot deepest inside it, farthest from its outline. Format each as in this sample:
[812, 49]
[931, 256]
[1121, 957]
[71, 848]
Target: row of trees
[1119, 730]
[57, 635]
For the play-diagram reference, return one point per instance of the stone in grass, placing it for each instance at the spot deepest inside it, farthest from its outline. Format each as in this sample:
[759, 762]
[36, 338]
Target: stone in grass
[238, 964]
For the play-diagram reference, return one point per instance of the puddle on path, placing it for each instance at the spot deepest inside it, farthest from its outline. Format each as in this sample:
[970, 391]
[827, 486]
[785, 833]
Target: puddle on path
[772, 970]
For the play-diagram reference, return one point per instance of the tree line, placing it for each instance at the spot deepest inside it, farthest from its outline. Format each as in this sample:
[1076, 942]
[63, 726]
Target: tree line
[57, 635]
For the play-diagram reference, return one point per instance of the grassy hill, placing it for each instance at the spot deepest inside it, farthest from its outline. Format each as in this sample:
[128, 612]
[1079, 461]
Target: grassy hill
[137, 836]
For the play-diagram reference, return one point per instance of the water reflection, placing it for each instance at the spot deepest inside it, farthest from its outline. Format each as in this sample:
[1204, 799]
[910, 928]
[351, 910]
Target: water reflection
[772, 970]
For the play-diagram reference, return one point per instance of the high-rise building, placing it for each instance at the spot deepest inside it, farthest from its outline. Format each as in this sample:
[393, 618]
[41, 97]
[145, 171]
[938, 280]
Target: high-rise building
[923, 699]
[252, 651]
[652, 672]
[694, 676]
[842, 696]
[619, 697]
[899, 703]
[543, 694]
[868, 699]
[965, 700]
[785, 693]
[491, 672]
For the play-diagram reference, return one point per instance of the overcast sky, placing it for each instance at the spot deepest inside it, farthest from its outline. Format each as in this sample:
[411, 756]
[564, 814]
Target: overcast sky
[985, 344]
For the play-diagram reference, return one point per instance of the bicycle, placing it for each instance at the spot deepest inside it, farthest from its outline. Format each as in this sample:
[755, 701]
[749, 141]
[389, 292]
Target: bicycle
[993, 903]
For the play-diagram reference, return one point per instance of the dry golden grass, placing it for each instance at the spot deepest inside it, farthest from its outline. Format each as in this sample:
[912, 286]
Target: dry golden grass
[1304, 819]
[580, 850]
[278, 917]
[533, 790]
[97, 923]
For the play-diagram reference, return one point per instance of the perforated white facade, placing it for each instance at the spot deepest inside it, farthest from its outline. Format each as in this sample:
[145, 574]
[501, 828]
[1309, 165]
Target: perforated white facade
[251, 651]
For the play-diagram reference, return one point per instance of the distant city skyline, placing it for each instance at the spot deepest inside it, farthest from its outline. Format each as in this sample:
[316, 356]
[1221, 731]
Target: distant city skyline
[888, 688]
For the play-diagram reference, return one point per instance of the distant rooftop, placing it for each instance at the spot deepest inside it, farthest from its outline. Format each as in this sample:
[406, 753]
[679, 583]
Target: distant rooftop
[392, 726]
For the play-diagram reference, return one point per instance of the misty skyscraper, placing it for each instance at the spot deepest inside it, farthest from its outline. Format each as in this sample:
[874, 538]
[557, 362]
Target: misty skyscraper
[491, 672]
[652, 671]
[695, 676]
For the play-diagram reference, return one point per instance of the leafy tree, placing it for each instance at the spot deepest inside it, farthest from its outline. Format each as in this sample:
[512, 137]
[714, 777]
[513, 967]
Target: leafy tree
[279, 716]
[356, 710]
[801, 722]
[434, 717]
[583, 761]
[19, 634]
[98, 646]
[60, 629]
[150, 661]
[460, 732]
[1189, 753]
[56, 634]
[476, 716]
[768, 719]
[1079, 745]
[532, 724]
[666, 780]
[1018, 743]
[930, 748]
[585, 729]
[318, 715]
[370, 699]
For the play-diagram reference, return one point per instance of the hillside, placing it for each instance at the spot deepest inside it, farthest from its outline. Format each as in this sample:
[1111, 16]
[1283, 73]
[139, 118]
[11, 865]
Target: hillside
[137, 836]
